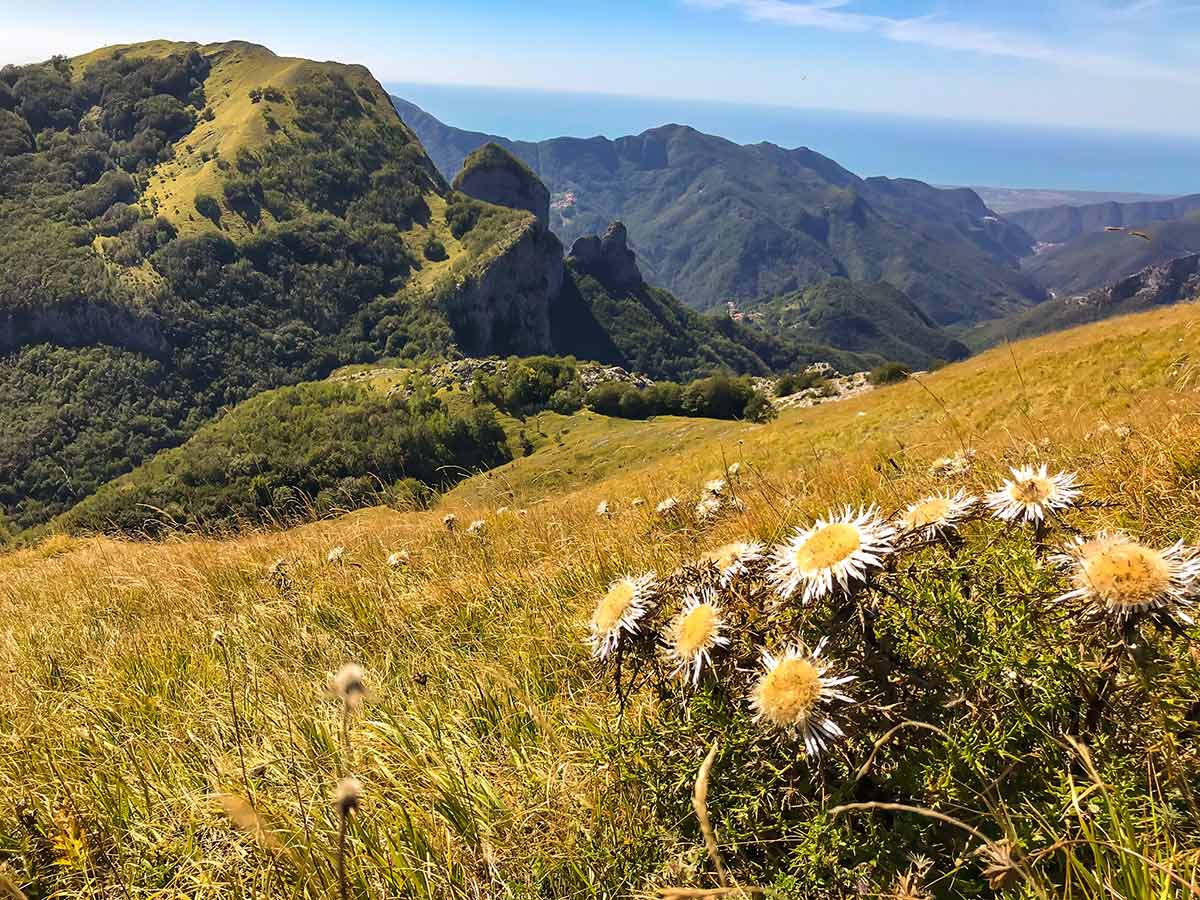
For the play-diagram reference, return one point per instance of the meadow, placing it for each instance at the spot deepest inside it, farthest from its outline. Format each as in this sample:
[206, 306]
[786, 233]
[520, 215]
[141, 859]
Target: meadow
[173, 721]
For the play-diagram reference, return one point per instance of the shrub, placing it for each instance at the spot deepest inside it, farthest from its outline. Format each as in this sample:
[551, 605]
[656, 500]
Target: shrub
[525, 386]
[794, 382]
[434, 250]
[718, 397]
[207, 206]
[888, 373]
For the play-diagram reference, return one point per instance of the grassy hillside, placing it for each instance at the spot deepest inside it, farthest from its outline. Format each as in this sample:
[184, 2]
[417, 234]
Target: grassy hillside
[172, 727]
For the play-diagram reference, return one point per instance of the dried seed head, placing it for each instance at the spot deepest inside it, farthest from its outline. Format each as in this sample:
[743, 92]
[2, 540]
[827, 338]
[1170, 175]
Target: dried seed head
[347, 796]
[348, 684]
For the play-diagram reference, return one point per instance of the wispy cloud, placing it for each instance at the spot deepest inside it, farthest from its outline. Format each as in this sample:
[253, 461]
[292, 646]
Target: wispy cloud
[947, 34]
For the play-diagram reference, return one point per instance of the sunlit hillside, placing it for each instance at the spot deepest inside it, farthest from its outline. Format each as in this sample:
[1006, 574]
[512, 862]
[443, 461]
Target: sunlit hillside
[169, 718]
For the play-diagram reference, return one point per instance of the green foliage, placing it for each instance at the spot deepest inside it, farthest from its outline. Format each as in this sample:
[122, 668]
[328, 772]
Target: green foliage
[525, 386]
[296, 452]
[716, 397]
[434, 250]
[209, 322]
[794, 382]
[888, 373]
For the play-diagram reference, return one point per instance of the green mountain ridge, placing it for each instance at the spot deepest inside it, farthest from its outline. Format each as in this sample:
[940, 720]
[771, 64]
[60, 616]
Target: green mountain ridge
[713, 221]
[863, 317]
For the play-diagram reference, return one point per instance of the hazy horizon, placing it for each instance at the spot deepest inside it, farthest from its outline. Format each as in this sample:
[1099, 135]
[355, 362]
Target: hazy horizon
[939, 150]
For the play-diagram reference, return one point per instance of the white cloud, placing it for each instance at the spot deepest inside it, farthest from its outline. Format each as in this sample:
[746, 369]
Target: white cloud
[945, 34]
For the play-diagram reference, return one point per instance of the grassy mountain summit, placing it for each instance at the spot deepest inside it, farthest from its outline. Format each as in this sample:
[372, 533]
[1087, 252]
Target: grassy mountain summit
[714, 221]
[183, 226]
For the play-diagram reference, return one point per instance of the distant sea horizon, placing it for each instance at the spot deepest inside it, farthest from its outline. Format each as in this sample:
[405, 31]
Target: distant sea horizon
[935, 150]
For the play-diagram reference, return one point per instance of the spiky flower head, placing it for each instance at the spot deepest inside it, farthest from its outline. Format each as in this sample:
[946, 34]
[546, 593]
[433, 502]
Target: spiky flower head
[477, 528]
[450, 520]
[734, 560]
[397, 559]
[668, 506]
[715, 487]
[1031, 493]
[348, 684]
[603, 510]
[335, 555]
[840, 549]
[619, 612]
[708, 509]
[695, 633]
[793, 691]
[347, 796]
[1116, 578]
[936, 514]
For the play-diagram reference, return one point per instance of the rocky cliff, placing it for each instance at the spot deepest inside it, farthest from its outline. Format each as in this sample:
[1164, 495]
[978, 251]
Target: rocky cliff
[503, 306]
[494, 175]
[607, 258]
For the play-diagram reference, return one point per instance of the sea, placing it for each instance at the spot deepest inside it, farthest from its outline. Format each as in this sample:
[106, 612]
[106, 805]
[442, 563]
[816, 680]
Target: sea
[939, 151]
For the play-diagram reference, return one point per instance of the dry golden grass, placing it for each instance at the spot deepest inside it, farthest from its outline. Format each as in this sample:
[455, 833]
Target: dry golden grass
[144, 682]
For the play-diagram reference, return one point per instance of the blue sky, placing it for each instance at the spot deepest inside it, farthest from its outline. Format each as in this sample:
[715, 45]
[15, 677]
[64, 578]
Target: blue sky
[1122, 64]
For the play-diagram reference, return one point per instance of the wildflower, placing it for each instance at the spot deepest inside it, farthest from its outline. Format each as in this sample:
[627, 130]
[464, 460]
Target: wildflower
[501, 510]
[792, 691]
[619, 612]
[838, 549]
[695, 633]
[603, 510]
[734, 468]
[1116, 577]
[347, 796]
[1002, 869]
[477, 528]
[1124, 432]
[397, 559]
[637, 501]
[348, 684]
[450, 520]
[334, 556]
[734, 560]
[950, 466]
[936, 514]
[716, 487]
[668, 506]
[737, 504]
[1031, 493]
[708, 509]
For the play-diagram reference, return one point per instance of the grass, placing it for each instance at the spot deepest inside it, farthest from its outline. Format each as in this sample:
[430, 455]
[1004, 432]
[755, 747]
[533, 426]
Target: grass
[166, 724]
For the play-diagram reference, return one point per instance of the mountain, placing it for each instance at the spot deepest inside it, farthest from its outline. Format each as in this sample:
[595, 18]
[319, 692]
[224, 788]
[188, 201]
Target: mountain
[1057, 224]
[713, 221]
[607, 312]
[1092, 260]
[1174, 281]
[183, 226]
[867, 317]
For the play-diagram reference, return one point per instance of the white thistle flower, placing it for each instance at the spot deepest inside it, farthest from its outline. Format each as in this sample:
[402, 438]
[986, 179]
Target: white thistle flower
[619, 611]
[793, 690]
[838, 550]
[1031, 493]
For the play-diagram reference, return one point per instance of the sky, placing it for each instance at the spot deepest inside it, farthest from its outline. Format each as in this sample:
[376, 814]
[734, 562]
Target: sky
[1128, 65]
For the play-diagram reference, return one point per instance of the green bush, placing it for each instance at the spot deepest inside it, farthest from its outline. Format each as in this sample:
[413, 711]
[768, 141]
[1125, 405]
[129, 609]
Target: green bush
[888, 373]
[529, 385]
[794, 382]
[207, 206]
[434, 250]
[299, 452]
[716, 397]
